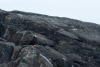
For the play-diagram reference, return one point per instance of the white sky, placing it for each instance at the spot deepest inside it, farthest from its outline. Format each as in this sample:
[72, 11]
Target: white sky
[85, 10]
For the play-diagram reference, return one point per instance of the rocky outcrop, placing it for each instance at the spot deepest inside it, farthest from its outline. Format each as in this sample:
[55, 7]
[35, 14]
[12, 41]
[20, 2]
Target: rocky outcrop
[62, 42]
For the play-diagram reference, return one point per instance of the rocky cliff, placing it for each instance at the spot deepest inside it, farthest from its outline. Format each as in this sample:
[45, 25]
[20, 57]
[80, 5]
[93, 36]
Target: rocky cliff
[61, 42]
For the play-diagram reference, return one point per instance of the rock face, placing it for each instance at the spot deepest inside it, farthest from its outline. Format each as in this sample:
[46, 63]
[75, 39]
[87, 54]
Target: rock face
[61, 42]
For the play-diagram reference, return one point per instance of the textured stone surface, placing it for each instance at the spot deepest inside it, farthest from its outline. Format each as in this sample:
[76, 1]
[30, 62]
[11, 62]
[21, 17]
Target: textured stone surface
[62, 42]
[6, 50]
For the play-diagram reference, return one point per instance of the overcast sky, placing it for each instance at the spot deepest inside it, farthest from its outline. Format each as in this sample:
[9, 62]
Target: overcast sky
[85, 10]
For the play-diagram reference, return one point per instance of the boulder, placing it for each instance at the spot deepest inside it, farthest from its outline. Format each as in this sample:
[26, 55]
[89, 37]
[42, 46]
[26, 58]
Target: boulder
[6, 51]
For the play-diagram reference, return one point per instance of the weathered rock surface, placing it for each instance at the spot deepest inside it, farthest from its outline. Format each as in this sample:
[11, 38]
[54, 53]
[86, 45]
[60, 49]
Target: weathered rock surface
[62, 42]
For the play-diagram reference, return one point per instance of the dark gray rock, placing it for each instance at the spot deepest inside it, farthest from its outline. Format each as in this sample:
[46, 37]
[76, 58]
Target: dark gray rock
[33, 58]
[67, 34]
[23, 37]
[6, 51]
[2, 39]
[62, 42]
[2, 29]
